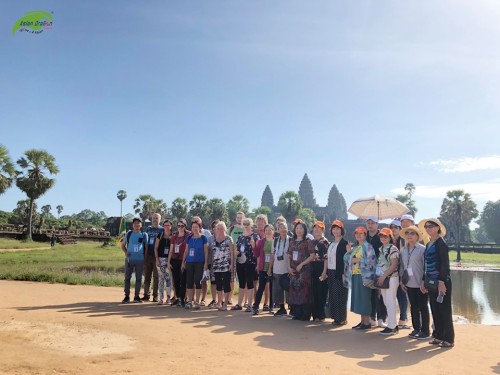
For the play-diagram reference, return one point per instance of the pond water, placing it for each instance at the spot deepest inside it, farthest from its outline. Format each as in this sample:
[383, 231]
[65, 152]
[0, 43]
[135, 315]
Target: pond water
[476, 296]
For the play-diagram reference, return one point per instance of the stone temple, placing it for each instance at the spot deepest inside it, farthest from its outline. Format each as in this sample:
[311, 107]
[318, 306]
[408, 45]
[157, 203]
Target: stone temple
[335, 209]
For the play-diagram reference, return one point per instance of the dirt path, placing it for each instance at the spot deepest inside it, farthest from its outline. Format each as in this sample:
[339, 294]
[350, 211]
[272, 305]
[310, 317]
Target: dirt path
[54, 328]
[25, 249]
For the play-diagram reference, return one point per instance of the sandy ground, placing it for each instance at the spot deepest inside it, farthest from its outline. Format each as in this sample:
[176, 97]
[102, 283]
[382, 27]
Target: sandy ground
[53, 328]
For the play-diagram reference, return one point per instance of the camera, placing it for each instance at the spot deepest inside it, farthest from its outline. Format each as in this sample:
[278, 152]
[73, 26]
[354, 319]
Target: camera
[280, 257]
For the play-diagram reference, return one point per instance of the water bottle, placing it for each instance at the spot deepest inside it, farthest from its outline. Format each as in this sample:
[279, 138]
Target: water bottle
[440, 298]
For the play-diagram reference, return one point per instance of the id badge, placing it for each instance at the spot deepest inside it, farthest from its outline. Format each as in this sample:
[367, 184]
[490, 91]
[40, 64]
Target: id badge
[267, 258]
[166, 250]
[242, 248]
[136, 248]
[378, 271]
[295, 256]
[151, 240]
[176, 249]
[191, 252]
[410, 271]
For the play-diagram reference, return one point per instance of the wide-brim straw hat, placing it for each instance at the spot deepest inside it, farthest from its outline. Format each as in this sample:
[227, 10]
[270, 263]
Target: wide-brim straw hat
[412, 228]
[422, 223]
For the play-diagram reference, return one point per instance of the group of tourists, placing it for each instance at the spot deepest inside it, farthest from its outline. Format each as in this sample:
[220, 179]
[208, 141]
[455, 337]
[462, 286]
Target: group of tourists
[300, 274]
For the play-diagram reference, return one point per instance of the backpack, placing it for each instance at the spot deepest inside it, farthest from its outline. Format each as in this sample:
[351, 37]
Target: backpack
[129, 233]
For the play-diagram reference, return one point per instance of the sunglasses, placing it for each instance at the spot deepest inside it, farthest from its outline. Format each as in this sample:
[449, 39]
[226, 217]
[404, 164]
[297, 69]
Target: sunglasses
[246, 225]
[411, 233]
[429, 226]
[181, 226]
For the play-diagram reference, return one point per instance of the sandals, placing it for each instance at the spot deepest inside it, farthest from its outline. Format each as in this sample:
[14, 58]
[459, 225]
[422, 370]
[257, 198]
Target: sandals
[446, 344]
[265, 308]
[202, 303]
[435, 342]
[236, 307]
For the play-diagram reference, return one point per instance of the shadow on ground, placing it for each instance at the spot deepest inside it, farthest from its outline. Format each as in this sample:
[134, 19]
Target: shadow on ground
[274, 333]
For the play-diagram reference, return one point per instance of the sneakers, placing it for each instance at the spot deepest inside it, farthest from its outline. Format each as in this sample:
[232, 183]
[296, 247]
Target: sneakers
[280, 312]
[155, 299]
[236, 307]
[357, 326]
[422, 336]
[265, 308]
[248, 309]
[364, 327]
[381, 323]
[145, 298]
[388, 331]
[168, 301]
[255, 311]
[126, 299]
[211, 305]
[137, 299]
[160, 302]
[414, 334]
[373, 322]
[189, 305]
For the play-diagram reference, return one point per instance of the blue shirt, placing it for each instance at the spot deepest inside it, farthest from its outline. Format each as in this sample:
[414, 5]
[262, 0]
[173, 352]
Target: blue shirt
[195, 248]
[135, 245]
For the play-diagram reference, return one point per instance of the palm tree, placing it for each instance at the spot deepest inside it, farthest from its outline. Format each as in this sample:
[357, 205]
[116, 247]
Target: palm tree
[32, 178]
[45, 213]
[290, 205]
[7, 171]
[121, 195]
[59, 209]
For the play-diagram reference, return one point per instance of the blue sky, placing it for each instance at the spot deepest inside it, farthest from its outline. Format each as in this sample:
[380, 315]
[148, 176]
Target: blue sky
[222, 98]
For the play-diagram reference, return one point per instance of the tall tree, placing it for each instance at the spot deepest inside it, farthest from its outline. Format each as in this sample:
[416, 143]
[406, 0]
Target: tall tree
[457, 211]
[198, 207]
[262, 210]
[59, 209]
[45, 213]
[32, 177]
[179, 208]
[289, 205]
[7, 171]
[407, 199]
[308, 216]
[490, 220]
[121, 195]
[22, 211]
[235, 204]
[146, 205]
[217, 210]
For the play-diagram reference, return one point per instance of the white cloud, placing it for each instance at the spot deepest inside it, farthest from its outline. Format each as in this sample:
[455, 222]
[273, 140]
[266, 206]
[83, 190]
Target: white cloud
[467, 164]
[479, 191]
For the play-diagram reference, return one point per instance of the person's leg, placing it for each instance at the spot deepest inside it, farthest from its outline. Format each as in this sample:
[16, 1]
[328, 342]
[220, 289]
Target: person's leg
[162, 275]
[267, 295]
[183, 286]
[128, 276]
[423, 306]
[148, 270]
[240, 269]
[446, 316]
[403, 306]
[226, 284]
[414, 308]
[168, 282]
[436, 317]
[260, 291]
[190, 282]
[155, 279]
[250, 275]
[322, 293]
[374, 298]
[315, 289]
[204, 289]
[198, 274]
[176, 276]
[390, 298]
[138, 266]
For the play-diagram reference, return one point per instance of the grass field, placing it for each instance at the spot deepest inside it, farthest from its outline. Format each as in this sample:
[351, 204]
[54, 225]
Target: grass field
[86, 263]
[476, 258]
[6, 243]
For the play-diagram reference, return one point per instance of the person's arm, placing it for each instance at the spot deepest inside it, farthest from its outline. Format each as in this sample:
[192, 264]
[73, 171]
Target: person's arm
[170, 255]
[231, 251]
[310, 258]
[157, 243]
[324, 274]
[271, 261]
[444, 266]
[390, 271]
[186, 249]
[124, 248]
[205, 250]
[291, 271]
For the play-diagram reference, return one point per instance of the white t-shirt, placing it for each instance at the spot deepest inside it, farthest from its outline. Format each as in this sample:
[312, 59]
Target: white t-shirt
[332, 255]
[280, 267]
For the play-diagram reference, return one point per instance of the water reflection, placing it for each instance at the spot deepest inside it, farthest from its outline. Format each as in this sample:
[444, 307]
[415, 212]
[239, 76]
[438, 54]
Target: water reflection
[476, 296]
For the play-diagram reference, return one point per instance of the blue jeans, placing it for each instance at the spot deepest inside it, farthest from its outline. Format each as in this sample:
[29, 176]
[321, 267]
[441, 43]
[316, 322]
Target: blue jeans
[403, 304]
[131, 266]
[263, 279]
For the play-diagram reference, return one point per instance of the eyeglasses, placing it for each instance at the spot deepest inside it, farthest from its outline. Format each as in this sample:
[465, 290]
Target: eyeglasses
[429, 226]
[181, 226]
[246, 225]
[411, 233]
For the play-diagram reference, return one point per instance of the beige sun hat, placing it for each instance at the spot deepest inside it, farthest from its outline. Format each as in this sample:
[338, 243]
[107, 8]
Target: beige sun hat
[411, 228]
[434, 221]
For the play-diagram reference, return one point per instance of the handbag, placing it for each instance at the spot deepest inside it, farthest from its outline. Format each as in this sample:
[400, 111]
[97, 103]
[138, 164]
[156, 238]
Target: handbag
[405, 277]
[385, 284]
[431, 284]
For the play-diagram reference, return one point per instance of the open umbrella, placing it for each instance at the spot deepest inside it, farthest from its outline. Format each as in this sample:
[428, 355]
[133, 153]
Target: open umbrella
[379, 206]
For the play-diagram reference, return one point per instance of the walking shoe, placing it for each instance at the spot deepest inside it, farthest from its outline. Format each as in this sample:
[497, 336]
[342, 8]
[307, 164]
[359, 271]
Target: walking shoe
[145, 298]
[265, 307]
[168, 301]
[414, 334]
[364, 327]
[255, 311]
[211, 305]
[357, 326]
[189, 305]
[126, 299]
[196, 306]
[236, 307]
[280, 312]
[271, 311]
[155, 299]
[137, 299]
[248, 309]
[160, 302]
[223, 308]
[381, 323]
[388, 331]
[422, 336]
